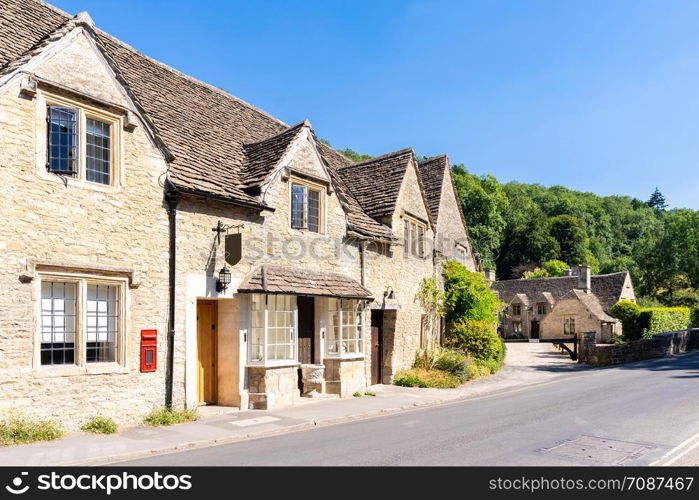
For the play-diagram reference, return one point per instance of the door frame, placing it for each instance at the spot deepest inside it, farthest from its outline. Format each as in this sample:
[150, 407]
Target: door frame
[376, 328]
[309, 320]
[538, 329]
[201, 369]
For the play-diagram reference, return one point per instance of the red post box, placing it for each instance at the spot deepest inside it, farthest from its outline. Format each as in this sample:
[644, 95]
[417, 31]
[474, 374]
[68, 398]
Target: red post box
[149, 350]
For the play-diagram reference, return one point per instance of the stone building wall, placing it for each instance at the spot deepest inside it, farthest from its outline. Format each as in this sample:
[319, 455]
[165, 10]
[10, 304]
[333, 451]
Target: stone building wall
[659, 346]
[552, 324]
[85, 226]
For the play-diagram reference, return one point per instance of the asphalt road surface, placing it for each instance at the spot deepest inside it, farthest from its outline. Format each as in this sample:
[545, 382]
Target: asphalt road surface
[632, 414]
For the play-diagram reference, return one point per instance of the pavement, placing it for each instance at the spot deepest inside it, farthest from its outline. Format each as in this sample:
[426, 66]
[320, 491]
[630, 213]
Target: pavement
[526, 364]
[643, 413]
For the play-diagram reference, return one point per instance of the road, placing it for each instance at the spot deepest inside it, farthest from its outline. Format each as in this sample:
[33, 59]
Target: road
[632, 414]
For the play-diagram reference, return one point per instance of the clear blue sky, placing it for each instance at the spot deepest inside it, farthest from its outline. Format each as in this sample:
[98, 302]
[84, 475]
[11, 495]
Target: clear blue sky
[599, 96]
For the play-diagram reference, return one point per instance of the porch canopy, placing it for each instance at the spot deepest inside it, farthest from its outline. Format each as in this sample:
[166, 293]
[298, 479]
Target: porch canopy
[291, 281]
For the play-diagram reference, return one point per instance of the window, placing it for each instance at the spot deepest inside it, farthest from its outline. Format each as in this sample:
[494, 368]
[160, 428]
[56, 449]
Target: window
[541, 308]
[102, 323]
[516, 309]
[58, 323]
[62, 140]
[569, 326]
[414, 238]
[273, 332]
[306, 207]
[80, 143]
[98, 156]
[517, 326]
[64, 339]
[344, 332]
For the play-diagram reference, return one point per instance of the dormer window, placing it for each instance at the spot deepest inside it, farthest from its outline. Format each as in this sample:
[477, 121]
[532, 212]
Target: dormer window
[81, 142]
[516, 309]
[306, 206]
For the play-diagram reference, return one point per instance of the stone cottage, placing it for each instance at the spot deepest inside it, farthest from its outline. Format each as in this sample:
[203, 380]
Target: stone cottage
[560, 307]
[166, 242]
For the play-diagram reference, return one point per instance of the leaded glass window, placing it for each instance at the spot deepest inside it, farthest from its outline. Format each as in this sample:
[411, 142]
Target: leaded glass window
[98, 154]
[62, 140]
[58, 306]
[102, 323]
[273, 334]
[298, 206]
[345, 328]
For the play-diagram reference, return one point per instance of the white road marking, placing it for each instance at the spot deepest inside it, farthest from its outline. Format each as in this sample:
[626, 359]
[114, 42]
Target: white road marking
[255, 421]
[676, 453]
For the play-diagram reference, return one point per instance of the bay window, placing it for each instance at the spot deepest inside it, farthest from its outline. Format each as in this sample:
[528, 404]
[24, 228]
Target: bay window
[273, 329]
[345, 329]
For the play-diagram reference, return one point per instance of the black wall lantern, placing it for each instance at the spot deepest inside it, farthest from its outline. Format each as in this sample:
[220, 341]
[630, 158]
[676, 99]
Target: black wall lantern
[224, 279]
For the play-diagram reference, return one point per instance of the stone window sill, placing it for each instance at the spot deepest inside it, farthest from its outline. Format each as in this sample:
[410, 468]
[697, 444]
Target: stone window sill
[279, 364]
[50, 371]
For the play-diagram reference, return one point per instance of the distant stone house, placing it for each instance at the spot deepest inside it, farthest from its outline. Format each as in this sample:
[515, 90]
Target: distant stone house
[166, 242]
[560, 307]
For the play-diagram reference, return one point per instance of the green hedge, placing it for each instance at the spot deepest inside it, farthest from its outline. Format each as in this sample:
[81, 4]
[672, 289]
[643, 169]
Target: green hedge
[663, 319]
[695, 318]
[645, 322]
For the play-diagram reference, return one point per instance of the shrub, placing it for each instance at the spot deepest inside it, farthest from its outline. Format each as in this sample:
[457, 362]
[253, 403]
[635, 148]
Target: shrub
[695, 318]
[420, 377]
[468, 296]
[446, 360]
[663, 319]
[476, 370]
[165, 416]
[22, 430]
[477, 339]
[369, 393]
[628, 313]
[357, 394]
[100, 425]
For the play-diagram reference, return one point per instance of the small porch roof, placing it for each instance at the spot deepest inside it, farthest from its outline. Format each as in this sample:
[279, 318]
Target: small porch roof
[291, 281]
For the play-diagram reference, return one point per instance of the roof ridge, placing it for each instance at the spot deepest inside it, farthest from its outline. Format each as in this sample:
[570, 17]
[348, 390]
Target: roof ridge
[433, 158]
[285, 131]
[379, 158]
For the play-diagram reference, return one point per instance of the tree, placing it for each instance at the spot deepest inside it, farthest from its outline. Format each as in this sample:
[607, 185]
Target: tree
[353, 155]
[570, 234]
[550, 268]
[468, 296]
[657, 200]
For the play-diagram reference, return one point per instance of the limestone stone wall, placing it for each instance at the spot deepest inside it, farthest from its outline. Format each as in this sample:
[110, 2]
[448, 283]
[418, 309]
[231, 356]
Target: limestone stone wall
[273, 387]
[345, 376]
[660, 345]
[86, 226]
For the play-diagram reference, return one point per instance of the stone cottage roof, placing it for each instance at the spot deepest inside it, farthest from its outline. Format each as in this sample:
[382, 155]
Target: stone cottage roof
[375, 183]
[591, 302]
[432, 174]
[278, 279]
[211, 134]
[607, 288]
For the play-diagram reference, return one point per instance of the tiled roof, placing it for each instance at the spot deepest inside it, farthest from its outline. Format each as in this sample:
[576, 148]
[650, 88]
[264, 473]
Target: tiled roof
[591, 302]
[262, 156]
[432, 174]
[606, 287]
[215, 138]
[376, 182]
[278, 279]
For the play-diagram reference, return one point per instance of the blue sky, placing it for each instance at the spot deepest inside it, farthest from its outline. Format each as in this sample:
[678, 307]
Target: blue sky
[599, 96]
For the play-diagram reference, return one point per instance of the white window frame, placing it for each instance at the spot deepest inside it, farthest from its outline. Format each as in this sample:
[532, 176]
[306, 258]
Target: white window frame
[84, 111]
[81, 366]
[358, 308]
[308, 186]
[265, 361]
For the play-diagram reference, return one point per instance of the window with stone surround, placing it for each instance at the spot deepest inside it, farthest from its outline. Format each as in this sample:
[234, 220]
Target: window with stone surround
[82, 141]
[541, 308]
[81, 320]
[414, 237]
[516, 309]
[273, 329]
[517, 326]
[569, 325]
[345, 329]
[307, 206]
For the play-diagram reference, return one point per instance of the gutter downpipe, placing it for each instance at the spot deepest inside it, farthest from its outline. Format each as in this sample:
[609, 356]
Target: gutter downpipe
[173, 198]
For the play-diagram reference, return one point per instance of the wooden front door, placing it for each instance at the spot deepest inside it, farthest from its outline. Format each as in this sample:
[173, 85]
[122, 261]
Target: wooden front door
[207, 352]
[376, 347]
[307, 321]
[535, 329]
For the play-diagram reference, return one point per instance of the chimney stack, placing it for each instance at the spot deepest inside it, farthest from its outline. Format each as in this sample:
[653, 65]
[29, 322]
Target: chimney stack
[584, 278]
[490, 275]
